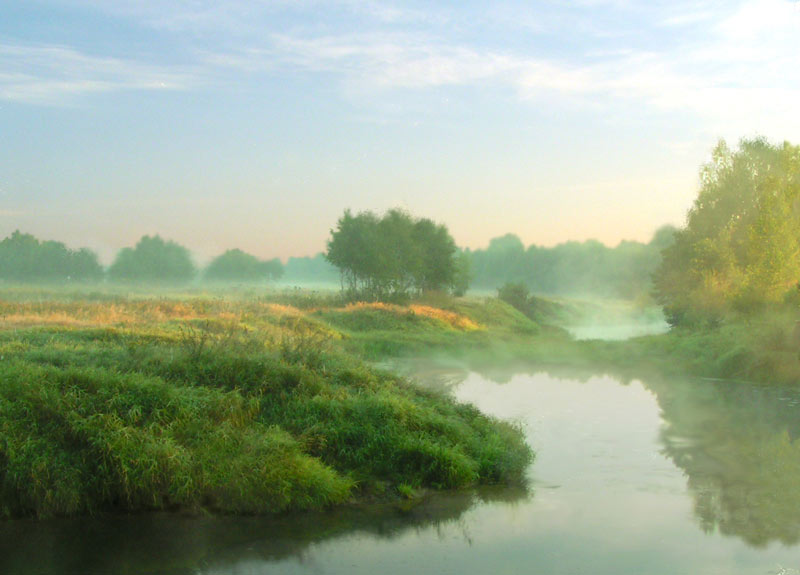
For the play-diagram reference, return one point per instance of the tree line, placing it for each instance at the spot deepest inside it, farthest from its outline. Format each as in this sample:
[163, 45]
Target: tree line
[24, 258]
[740, 249]
[571, 268]
[738, 252]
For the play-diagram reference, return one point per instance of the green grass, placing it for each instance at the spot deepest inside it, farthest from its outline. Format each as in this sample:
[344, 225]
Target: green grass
[230, 406]
[759, 349]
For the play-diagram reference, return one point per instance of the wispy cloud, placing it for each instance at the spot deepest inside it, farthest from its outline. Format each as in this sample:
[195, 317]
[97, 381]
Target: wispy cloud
[742, 74]
[244, 17]
[396, 61]
[729, 64]
[47, 74]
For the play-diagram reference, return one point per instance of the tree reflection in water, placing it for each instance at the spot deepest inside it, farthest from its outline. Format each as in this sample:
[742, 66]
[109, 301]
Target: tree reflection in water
[738, 445]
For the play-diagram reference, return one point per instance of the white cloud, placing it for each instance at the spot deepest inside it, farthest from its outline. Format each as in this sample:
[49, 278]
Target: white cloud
[47, 74]
[735, 67]
[762, 19]
[712, 78]
[399, 61]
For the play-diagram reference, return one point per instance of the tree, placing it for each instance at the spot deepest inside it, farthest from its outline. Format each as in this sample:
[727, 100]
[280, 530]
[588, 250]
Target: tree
[153, 260]
[391, 257]
[236, 265]
[463, 273]
[739, 249]
[436, 263]
[25, 258]
[353, 248]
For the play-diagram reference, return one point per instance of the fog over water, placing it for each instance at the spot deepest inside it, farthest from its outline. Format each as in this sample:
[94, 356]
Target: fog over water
[246, 247]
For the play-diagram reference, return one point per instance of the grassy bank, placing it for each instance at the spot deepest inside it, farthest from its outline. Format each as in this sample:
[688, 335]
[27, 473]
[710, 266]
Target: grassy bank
[760, 349]
[232, 405]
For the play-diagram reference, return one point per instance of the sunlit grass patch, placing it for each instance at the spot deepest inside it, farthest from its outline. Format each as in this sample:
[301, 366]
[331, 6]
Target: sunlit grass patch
[283, 309]
[453, 319]
[377, 316]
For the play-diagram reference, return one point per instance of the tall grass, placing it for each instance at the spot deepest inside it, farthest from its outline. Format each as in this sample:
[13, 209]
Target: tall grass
[232, 406]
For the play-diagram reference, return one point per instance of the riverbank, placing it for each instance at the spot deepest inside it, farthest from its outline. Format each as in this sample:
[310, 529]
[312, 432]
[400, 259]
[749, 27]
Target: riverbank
[762, 349]
[240, 405]
[240, 402]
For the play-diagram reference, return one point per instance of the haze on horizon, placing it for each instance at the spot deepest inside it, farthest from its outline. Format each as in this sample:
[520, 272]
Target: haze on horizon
[255, 124]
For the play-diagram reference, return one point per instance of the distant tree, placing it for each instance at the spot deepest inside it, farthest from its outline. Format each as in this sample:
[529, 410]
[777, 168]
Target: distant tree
[236, 265]
[391, 257]
[314, 269]
[25, 258]
[274, 269]
[153, 260]
[571, 268]
[462, 276]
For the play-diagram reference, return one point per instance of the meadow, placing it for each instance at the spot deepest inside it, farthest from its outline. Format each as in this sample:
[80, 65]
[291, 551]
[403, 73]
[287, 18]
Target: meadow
[237, 403]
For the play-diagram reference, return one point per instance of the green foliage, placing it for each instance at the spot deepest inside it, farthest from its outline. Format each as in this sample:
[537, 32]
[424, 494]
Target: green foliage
[740, 248]
[209, 413]
[393, 257]
[515, 294]
[571, 268]
[153, 260]
[236, 265]
[23, 258]
[462, 276]
[537, 309]
[77, 440]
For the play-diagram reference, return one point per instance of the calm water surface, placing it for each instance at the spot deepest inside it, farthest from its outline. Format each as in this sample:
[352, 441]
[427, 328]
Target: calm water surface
[642, 478]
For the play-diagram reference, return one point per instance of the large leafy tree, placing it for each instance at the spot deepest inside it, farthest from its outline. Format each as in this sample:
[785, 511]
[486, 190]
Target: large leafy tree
[739, 249]
[391, 256]
[153, 259]
[25, 258]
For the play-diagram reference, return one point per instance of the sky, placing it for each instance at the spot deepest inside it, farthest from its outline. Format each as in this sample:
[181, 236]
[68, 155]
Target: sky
[254, 124]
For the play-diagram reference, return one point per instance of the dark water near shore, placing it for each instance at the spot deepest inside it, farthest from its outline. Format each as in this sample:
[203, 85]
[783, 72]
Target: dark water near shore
[657, 477]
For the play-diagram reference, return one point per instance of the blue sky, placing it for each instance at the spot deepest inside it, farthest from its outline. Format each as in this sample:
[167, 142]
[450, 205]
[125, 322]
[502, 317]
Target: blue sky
[254, 124]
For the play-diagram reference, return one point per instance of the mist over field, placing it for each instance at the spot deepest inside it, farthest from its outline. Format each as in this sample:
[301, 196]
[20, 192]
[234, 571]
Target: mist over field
[385, 286]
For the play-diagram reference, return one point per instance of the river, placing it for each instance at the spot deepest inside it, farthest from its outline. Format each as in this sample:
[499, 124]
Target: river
[656, 477]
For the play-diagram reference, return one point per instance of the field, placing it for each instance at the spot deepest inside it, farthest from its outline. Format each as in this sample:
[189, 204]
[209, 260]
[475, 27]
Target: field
[235, 403]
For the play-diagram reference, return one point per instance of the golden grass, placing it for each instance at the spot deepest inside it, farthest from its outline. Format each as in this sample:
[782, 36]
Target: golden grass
[451, 318]
[362, 305]
[83, 314]
[159, 311]
[283, 310]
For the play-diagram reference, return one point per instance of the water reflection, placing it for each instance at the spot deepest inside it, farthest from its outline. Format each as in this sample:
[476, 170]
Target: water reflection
[624, 475]
[738, 445]
[174, 545]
